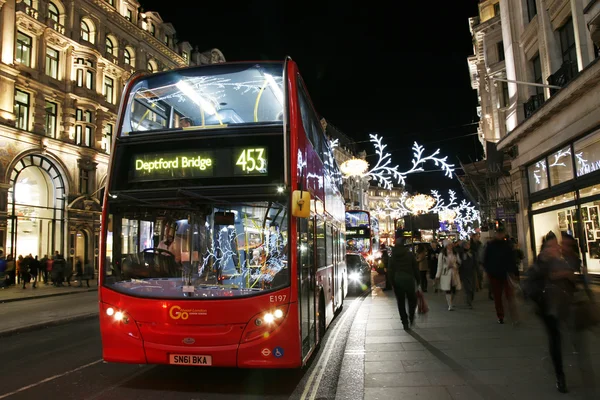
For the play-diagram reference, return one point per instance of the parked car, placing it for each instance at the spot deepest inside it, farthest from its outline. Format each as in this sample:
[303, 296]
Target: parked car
[359, 273]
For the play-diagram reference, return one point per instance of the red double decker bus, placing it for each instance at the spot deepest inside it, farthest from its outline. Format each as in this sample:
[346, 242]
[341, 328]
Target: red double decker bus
[223, 223]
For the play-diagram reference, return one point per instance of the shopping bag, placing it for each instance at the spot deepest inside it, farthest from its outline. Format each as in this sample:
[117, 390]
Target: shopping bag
[422, 307]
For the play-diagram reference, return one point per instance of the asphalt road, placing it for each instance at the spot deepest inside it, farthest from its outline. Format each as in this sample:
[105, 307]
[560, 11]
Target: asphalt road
[64, 362]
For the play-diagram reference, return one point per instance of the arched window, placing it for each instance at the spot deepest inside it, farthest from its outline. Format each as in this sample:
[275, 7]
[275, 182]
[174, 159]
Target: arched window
[53, 12]
[88, 30]
[127, 57]
[152, 66]
[110, 47]
[85, 31]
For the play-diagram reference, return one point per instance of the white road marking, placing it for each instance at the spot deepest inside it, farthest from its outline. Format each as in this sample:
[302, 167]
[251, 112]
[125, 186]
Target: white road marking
[49, 379]
[320, 367]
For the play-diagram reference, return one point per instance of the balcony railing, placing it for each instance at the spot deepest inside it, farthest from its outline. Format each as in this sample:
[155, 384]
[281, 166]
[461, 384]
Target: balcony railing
[564, 75]
[534, 102]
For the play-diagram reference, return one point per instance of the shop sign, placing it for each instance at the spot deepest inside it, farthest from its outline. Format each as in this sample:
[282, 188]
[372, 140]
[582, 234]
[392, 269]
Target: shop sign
[587, 168]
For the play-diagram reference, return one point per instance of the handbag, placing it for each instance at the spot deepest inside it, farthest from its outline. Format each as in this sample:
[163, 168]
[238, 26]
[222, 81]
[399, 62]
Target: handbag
[422, 307]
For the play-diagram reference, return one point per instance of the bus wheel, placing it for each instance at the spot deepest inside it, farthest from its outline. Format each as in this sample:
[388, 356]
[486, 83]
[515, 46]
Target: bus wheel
[321, 317]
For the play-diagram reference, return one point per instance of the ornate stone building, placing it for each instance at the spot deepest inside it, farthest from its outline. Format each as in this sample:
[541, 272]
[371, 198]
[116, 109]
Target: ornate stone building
[537, 71]
[63, 65]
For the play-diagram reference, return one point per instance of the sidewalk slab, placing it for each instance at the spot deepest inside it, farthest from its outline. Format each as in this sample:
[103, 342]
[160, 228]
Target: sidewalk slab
[37, 313]
[17, 293]
[461, 354]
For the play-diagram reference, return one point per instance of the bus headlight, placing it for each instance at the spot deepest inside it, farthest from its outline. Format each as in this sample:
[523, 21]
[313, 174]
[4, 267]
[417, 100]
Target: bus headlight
[118, 316]
[263, 324]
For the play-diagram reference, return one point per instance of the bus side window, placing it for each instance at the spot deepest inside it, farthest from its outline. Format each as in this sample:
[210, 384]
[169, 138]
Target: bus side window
[321, 259]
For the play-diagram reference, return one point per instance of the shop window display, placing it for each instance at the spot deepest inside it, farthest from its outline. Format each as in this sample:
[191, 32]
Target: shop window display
[557, 221]
[590, 217]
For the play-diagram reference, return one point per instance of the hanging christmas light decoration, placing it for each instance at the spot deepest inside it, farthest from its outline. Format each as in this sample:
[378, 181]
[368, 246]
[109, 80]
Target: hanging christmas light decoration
[386, 174]
[463, 216]
[447, 215]
[420, 203]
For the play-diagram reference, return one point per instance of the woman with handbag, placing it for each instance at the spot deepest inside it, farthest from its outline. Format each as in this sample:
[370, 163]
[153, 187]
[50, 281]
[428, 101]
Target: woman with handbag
[447, 273]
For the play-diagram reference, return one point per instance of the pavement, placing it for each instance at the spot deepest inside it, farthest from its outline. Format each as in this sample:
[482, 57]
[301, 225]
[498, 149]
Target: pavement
[461, 354]
[23, 310]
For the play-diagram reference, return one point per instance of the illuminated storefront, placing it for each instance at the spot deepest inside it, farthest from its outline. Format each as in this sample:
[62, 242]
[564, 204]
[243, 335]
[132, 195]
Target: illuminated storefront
[36, 208]
[564, 192]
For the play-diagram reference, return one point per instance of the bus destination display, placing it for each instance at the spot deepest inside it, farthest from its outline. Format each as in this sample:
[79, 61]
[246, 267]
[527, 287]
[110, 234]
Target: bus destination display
[212, 163]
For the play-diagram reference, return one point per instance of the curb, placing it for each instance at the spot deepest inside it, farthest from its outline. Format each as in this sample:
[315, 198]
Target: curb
[46, 295]
[42, 325]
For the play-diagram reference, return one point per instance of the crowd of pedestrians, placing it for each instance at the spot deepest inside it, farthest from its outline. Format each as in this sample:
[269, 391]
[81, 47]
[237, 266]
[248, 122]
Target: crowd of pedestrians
[29, 270]
[554, 284]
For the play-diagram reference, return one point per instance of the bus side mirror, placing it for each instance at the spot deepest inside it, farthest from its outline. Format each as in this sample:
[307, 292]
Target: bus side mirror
[301, 204]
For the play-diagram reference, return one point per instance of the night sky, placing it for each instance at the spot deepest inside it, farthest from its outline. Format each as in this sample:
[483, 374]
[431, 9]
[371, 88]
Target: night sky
[397, 69]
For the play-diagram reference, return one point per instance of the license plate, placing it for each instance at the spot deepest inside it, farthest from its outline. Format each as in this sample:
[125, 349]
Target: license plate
[188, 359]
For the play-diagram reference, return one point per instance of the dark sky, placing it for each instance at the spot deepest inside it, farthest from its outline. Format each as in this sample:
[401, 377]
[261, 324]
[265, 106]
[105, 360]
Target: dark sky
[398, 69]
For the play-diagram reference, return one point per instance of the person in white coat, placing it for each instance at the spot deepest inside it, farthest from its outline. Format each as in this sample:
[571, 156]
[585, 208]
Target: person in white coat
[447, 273]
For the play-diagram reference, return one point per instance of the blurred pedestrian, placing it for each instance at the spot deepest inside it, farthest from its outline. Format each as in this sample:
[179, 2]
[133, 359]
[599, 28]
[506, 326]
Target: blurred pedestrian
[447, 273]
[500, 266]
[405, 273]
[421, 258]
[467, 272]
[385, 260]
[432, 259]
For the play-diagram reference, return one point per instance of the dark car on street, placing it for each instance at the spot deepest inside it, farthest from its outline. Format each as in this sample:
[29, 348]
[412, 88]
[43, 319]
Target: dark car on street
[359, 273]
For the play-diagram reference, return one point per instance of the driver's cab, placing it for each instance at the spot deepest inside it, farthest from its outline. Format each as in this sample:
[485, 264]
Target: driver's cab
[163, 250]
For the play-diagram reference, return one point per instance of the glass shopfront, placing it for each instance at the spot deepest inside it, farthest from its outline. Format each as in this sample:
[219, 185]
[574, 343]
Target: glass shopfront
[36, 209]
[564, 188]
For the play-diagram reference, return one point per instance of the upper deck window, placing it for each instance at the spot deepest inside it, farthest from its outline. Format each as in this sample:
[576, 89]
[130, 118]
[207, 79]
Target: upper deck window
[212, 96]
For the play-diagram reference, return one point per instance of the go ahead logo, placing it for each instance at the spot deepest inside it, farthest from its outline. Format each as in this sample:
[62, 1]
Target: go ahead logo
[176, 312]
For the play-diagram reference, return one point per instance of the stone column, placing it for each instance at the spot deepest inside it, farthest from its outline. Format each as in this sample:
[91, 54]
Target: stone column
[585, 47]
[68, 120]
[39, 111]
[550, 56]
[100, 78]
[4, 187]
[40, 54]
[9, 21]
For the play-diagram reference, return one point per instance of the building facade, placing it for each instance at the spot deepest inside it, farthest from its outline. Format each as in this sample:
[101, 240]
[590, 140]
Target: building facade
[547, 118]
[63, 66]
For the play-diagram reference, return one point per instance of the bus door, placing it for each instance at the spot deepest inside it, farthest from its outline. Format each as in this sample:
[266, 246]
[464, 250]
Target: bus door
[306, 287]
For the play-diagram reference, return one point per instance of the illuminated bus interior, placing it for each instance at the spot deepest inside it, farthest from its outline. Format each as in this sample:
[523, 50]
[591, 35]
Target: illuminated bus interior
[206, 97]
[198, 252]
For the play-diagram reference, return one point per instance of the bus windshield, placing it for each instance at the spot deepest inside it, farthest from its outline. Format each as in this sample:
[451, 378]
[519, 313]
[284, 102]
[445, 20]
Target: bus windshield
[206, 97]
[169, 251]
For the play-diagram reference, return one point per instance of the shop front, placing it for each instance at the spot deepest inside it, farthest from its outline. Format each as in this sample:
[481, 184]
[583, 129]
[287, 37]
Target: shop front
[564, 193]
[35, 208]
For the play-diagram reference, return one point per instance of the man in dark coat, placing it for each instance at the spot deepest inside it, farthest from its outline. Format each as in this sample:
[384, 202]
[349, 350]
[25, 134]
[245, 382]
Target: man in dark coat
[500, 264]
[405, 275]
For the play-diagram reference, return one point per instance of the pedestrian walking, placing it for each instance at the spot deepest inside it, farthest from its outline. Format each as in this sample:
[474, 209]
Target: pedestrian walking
[447, 273]
[500, 266]
[423, 264]
[467, 272]
[405, 273]
[385, 260]
[432, 259]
